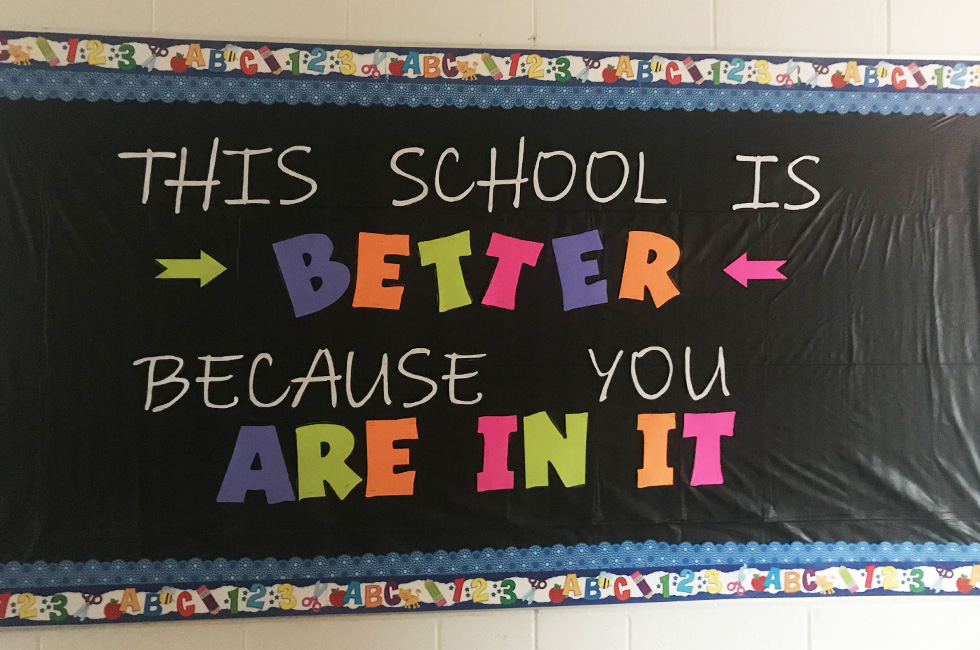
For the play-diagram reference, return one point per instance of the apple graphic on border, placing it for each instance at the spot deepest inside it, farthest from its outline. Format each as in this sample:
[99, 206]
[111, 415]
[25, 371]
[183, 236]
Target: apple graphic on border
[963, 585]
[837, 80]
[337, 597]
[395, 67]
[112, 610]
[556, 594]
[609, 75]
[759, 582]
[178, 63]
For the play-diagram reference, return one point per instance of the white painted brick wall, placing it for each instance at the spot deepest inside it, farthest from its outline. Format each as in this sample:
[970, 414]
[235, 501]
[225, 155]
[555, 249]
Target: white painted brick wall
[923, 28]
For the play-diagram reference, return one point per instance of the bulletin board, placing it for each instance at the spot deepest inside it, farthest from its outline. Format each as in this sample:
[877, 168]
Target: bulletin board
[314, 329]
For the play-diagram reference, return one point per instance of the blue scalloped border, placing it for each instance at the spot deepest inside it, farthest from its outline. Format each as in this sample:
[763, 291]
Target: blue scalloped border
[627, 555]
[19, 83]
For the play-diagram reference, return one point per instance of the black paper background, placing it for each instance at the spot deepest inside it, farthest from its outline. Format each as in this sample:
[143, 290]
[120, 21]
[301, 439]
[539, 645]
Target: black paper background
[854, 382]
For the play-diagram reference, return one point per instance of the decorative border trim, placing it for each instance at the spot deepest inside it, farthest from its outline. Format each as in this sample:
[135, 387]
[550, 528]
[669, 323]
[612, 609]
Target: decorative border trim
[59, 66]
[126, 54]
[471, 589]
[604, 556]
[93, 86]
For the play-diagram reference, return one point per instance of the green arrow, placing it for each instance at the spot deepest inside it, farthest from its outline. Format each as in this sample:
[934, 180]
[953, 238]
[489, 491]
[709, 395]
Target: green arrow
[205, 269]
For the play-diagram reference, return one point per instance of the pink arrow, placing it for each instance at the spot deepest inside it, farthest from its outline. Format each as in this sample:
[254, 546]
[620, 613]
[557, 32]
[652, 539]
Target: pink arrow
[742, 270]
